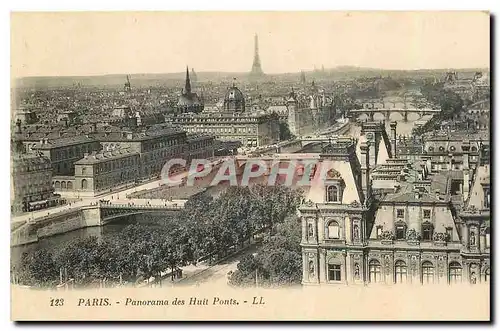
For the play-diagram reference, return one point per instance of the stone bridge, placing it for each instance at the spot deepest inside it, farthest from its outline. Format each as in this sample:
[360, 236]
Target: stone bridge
[96, 213]
[388, 113]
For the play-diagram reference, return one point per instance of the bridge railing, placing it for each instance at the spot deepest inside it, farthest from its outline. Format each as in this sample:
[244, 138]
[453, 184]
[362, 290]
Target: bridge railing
[134, 206]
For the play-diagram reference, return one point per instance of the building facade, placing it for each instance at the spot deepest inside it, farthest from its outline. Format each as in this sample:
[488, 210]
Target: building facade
[64, 152]
[31, 183]
[411, 234]
[103, 171]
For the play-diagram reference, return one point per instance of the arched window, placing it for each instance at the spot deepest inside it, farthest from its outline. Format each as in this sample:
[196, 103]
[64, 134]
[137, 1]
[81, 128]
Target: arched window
[70, 185]
[84, 171]
[487, 275]
[84, 184]
[400, 272]
[334, 272]
[333, 230]
[374, 269]
[455, 273]
[332, 194]
[427, 272]
[63, 185]
[58, 185]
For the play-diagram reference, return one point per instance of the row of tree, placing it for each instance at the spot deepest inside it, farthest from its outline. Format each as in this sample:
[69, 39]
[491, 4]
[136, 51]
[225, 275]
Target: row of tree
[207, 229]
[277, 262]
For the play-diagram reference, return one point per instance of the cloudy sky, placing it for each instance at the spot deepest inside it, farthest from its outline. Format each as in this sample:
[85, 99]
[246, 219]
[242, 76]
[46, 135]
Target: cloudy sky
[50, 44]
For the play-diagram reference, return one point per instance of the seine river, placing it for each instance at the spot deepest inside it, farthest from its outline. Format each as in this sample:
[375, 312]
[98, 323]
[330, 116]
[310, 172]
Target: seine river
[113, 229]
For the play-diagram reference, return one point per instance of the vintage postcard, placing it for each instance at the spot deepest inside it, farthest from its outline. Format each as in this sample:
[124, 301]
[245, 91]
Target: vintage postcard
[259, 166]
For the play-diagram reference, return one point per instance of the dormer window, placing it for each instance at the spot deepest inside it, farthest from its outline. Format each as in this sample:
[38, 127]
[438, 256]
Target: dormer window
[333, 194]
[427, 229]
[400, 231]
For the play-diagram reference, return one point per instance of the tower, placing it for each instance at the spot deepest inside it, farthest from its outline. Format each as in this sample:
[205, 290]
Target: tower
[302, 78]
[127, 85]
[187, 86]
[292, 107]
[256, 67]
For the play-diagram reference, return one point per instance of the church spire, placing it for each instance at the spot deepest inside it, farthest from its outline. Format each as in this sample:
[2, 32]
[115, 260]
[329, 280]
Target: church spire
[187, 87]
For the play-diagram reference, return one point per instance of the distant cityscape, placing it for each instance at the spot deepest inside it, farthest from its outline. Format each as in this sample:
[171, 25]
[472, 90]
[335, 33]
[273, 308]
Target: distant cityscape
[407, 198]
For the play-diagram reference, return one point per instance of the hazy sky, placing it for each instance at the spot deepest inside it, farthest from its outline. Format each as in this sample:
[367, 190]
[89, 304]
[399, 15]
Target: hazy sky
[50, 44]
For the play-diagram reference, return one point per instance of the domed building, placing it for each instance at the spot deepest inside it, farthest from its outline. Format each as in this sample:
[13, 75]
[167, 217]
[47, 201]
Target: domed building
[189, 102]
[234, 101]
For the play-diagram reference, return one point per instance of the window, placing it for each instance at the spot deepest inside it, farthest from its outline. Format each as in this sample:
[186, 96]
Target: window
[427, 231]
[333, 230]
[455, 273]
[400, 272]
[334, 272]
[379, 231]
[332, 194]
[400, 232]
[84, 184]
[400, 213]
[427, 272]
[374, 271]
[427, 213]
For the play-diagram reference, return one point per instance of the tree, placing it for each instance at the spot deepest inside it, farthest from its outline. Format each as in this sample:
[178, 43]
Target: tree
[285, 133]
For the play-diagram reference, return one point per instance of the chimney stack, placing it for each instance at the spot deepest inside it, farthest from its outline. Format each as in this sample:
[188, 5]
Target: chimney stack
[365, 168]
[465, 158]
[393, 139]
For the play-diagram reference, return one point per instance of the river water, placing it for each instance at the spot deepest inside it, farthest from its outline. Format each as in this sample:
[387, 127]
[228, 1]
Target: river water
[111, 230]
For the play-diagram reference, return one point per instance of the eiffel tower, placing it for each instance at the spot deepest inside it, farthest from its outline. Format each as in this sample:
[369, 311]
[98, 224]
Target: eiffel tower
[256, 71]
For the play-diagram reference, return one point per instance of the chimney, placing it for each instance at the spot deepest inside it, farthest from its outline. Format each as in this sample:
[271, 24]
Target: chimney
[365, 168]
[393, 139]
[465, 160]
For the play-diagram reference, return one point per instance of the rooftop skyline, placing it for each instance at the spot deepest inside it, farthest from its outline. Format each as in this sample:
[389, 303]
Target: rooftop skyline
[92, 43]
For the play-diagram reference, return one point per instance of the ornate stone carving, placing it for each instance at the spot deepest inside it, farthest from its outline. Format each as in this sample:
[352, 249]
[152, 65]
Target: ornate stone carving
[413, 264]
[441, 236]
[333, 174]
[412, 235]
[356, 271]
[387, 264]
[387, 235]
[355, 204]
[482, 231]
[309, 203]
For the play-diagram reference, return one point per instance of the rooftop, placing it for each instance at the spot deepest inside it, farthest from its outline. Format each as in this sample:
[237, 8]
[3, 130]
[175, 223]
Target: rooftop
[105, 156]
